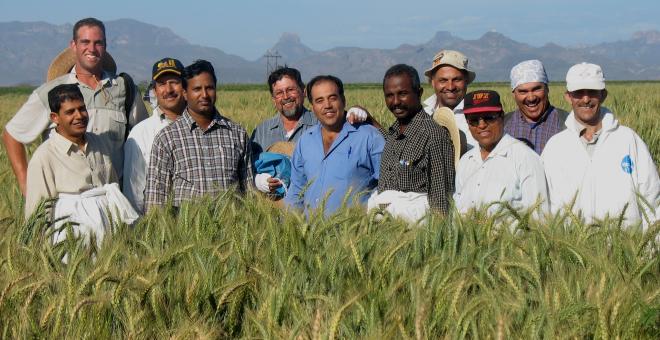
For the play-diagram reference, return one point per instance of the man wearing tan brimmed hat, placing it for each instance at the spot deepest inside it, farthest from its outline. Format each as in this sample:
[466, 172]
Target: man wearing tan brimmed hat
[596, 166]
[501, 169]
[105, 96]
[450, 76]
[166, 76]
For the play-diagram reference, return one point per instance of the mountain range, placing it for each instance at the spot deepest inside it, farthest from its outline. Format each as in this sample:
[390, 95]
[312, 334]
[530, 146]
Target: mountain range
[27, 48]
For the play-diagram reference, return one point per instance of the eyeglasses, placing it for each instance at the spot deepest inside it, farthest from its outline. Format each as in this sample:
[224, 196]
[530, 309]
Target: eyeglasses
[488, 118]
[290, 92]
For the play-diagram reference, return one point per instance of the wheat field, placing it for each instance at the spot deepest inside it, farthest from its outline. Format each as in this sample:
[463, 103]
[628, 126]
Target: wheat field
[238, 267]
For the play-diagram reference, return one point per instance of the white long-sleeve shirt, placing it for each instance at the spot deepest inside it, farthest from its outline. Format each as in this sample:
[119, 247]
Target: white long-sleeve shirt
[602, 184]
[136, 157]
[512, 173]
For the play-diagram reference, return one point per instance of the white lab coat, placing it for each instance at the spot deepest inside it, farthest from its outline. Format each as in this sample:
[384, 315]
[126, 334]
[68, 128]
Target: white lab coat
[620, 168]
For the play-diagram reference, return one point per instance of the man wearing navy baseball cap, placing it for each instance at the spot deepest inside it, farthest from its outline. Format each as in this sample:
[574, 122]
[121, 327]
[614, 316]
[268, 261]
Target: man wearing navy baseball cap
[167, 84]
[597, 166]
[502, 168]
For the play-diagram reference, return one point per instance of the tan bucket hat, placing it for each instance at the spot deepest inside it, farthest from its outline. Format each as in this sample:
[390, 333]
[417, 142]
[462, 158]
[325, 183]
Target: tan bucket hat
[64, 62]
[444, 116]
[451, 58]
[284, 148]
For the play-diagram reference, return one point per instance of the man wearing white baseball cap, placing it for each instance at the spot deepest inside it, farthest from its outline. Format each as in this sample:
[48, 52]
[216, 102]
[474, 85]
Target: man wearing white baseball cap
[535, 120]
[596, 166]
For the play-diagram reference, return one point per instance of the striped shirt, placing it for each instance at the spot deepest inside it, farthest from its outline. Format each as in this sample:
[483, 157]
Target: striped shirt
[535, 134]
[187, 162]
[421, 159]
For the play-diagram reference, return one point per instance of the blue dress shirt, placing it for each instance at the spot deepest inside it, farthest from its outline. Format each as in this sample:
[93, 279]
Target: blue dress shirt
[352, 163]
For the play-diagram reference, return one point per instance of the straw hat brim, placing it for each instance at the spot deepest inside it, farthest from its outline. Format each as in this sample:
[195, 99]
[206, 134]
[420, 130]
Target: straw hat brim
[444, 116]
[64, 62]
[284, 148]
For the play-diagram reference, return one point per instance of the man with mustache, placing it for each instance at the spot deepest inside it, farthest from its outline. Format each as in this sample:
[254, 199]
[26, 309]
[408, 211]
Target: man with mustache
[202, 152]
[501, 169]
[104, 93]
[417, 167]
[596, 166]
[535, 120]
[333, 158]
[168, 89]
[450, 76]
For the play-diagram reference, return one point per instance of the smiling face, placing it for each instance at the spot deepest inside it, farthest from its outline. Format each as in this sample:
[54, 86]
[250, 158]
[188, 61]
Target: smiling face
[487, 128]
[71, 119]
[586, 105]
[450, 85]
[89, 48]
[400, 97]
[200, 94]
[328, 105]
[532, 99]
[288, 97]
[169, 93]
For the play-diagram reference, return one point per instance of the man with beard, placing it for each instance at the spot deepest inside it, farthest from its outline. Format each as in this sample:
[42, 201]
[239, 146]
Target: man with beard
[334, 158]
[501, 169]
[105, 95]
[417, 167]
[168, 89]
[202, 152]
[450, 76]
[596, 166]
[535, 120]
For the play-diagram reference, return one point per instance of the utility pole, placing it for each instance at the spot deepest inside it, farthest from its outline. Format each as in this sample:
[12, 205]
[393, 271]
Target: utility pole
[271, 61]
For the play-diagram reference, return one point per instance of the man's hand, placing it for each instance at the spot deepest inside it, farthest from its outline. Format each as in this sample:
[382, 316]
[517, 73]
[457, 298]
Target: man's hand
[356, 115]
[266, 183]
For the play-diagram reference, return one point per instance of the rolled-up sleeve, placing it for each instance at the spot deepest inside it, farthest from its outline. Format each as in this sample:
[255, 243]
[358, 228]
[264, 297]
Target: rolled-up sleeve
[30, 120]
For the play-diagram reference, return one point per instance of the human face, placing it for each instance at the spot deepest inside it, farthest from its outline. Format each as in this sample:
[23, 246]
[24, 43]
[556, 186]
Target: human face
[200, 94]
[328, 105]
[89, 48]
[72, 119]
[586, 105]
[400, 97]
[532, 99]
[169, 93]
[487, 128]
[450, 86]
[288, 97]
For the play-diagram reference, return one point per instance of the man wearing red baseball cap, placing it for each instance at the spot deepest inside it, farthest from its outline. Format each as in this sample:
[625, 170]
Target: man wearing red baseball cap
[502, 168]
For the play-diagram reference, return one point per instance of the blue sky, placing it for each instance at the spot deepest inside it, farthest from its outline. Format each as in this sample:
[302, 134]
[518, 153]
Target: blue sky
[249, 27]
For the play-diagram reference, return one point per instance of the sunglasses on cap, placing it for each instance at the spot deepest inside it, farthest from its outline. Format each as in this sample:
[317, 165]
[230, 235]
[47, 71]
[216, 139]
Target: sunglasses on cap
[473, 120]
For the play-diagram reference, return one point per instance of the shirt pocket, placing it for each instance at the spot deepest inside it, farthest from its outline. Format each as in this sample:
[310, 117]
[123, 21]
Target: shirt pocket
[111, 124]
[413, 169]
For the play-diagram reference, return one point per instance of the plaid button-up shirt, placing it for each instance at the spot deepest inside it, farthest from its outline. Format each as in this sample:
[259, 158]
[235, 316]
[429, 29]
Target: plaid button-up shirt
[188, 162]
[536, 134]
[419, 160]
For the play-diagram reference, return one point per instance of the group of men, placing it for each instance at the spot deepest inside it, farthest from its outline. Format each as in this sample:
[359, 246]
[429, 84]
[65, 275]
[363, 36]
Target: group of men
[534, 156]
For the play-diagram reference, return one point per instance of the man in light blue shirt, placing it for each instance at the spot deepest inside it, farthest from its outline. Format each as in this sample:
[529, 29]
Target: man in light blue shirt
[334, 158]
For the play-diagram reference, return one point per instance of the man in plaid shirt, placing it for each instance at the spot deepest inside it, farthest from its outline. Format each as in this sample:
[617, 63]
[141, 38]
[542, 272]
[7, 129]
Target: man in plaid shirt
[202, 152]
[418, 155]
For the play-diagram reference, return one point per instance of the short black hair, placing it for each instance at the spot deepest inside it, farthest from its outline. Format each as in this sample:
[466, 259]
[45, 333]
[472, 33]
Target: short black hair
[61, 93]
[322, 78]
[282, 72]
[403, 69]
[198, 67]
[88, 22]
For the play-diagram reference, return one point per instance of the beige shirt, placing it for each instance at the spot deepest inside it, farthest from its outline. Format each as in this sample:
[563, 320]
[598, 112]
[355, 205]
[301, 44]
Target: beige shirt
[60, 166]
[105, 105]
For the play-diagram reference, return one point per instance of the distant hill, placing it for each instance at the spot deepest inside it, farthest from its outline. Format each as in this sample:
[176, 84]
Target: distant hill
[27, 48]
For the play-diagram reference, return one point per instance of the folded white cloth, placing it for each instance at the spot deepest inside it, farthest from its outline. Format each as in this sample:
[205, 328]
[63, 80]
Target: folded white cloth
[261, 182]
[411, 206]
[356, 115]
[90, 211]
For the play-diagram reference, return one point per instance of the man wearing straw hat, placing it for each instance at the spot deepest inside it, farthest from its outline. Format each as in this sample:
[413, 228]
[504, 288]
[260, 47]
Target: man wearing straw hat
[450, 76]
[535, 120]
[105, 95]
[417, 165]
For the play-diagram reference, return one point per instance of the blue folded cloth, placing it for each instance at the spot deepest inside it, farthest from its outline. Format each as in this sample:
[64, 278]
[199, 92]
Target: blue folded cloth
[278, 166]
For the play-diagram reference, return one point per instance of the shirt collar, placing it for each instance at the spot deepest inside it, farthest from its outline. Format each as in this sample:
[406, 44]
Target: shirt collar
[414, 125]
[61, 144]
[307, 118]
[501, 149]
[218, 120]
[432, 101]
[541, 120]
[105, 77]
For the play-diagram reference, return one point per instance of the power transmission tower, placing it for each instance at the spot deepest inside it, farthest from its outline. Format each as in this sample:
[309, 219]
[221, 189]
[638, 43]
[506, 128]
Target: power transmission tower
[271, 61]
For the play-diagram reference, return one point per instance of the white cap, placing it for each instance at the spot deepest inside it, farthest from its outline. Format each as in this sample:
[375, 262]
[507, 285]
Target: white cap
[528, 71]
[585, 76]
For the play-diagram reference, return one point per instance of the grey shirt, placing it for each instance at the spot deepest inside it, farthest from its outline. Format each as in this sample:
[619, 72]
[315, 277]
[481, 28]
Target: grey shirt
[272, 130]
